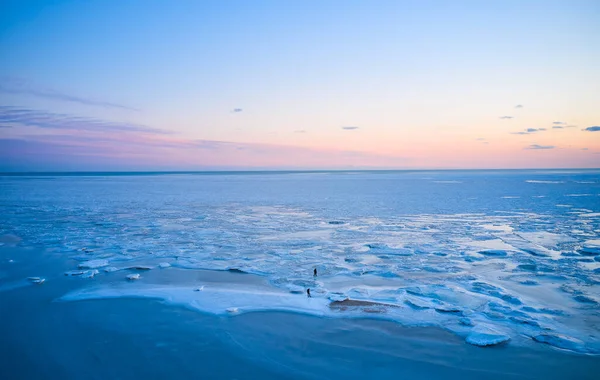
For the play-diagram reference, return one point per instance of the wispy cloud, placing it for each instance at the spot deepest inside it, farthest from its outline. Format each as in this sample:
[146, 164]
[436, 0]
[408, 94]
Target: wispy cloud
[236, 110]
[300, 131]
[593, 129]
[39, 139]
[21, 87]
[519, 106]
[480, 139]
[536, 146]
[349, 128]
[106, 150]
[25, 117]
[558, 122]
[529, 131]
[506, 117]
[563, 126]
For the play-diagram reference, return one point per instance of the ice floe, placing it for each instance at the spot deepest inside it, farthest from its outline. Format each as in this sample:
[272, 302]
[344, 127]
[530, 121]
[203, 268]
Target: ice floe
[93, 264]
[89, 273]
[484, 339]
[83, 273]
[561, 341]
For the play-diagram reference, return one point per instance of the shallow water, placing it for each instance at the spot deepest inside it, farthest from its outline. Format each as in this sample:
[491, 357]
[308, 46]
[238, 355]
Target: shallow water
[514, 253]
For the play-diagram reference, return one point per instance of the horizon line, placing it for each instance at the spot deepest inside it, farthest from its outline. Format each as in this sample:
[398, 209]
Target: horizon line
[265, 171]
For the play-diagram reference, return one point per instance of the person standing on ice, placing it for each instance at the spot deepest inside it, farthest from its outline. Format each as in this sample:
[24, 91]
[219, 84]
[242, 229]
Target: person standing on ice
[308, 293]
[315, 272]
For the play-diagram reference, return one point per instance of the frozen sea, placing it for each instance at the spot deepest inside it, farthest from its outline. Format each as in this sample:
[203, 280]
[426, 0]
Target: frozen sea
[489, 258]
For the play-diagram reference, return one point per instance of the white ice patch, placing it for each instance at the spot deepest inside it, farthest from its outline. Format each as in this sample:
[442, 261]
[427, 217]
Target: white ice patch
[497, 227]
[484, 339]
[82, 273]
[546, 239]
[89, 273]
[494, 244]
[213, 300]
[591, 247]
[591, 215]
[93, 264]
[74, 273]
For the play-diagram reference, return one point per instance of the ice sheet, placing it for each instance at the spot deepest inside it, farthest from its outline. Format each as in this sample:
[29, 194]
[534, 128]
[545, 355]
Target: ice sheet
[504, 251]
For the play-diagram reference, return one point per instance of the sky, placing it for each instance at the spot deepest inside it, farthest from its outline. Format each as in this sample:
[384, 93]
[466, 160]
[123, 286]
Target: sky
[313, 84]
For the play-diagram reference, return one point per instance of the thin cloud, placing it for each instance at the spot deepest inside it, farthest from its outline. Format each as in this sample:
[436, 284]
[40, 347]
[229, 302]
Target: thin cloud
[20, 87]
[529, 131]
[519, 106]
[300, 131]
[480, 139]
[211, 144]
[349, 128]
[88, 150]
[25, 117]
[506, 117]
[593, 129]
[558, 122]
[563, 126]
[536, 146]
[237, 110]
[584, 148]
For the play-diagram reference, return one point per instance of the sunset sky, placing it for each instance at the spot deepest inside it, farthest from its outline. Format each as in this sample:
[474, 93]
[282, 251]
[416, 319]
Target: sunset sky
[193, 85]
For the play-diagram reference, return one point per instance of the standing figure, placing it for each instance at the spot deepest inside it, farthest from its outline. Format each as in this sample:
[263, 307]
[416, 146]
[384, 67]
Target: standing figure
[315, 272]
[308, 293]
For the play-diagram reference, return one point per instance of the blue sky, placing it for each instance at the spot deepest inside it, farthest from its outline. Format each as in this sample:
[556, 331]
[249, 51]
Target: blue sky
[387, 83]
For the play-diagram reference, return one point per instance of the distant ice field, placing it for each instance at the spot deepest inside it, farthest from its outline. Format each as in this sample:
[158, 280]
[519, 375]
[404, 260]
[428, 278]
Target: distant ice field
[493, 256]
